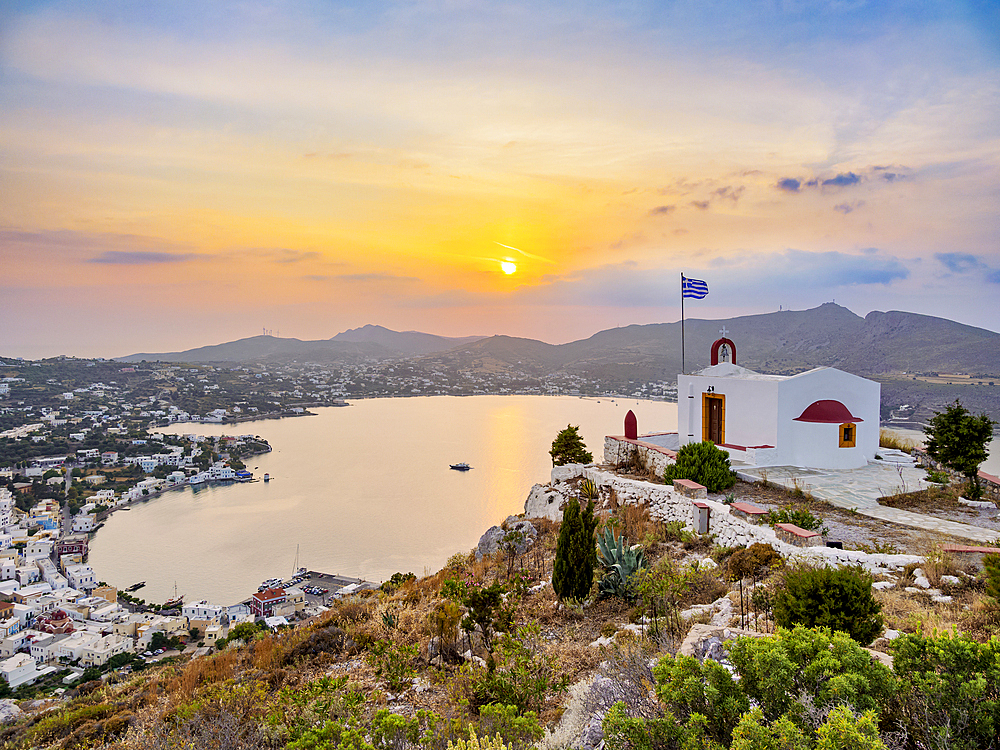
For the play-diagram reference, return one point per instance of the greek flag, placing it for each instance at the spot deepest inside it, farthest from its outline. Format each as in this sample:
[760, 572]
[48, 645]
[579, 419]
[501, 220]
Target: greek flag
[694, 288]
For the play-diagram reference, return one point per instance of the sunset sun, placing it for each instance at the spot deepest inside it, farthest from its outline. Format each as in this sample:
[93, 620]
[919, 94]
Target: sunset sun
[508, 266]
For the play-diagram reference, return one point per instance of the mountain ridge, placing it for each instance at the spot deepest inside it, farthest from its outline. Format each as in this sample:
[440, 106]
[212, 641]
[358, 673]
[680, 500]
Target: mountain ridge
[779, 342]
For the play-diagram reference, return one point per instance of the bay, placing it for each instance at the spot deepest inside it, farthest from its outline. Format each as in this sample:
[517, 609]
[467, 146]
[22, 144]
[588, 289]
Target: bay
[363, 491]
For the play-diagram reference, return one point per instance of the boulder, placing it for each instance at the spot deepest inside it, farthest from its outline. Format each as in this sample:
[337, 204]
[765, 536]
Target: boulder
[490, 542]
[9, 711]
[544, 501]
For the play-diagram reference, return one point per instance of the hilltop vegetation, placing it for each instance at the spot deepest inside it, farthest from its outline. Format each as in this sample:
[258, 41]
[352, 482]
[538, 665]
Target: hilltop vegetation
[385, 669]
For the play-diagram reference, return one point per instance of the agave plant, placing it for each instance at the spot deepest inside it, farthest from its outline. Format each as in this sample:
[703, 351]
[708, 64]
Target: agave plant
[588, 489]
[620, 562]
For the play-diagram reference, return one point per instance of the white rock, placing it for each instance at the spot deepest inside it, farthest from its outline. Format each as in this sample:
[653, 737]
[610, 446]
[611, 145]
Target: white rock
[707, 563]
[941, 599]
[913, 590]
[977, 503]
[921, 581]
[891, 635]
[918, 572]
[881, 585]
[724, 611]
[953, 580]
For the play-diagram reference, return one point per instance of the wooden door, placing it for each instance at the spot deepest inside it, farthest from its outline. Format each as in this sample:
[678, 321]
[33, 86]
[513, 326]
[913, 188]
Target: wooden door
[715, 420]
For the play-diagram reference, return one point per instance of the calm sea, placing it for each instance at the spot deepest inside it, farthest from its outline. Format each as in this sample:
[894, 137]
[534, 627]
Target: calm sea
[362, 491]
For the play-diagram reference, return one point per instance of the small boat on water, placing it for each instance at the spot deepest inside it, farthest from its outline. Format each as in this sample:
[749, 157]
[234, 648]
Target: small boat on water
[461, 467]
[175, 602]
[267, 477]
[136, 586]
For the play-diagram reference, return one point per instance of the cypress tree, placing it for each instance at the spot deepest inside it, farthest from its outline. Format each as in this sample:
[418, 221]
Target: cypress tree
[588, 547]
[573, 571]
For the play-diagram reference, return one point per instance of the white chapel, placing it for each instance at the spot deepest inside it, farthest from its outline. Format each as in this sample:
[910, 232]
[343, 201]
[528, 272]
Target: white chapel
[824, 418]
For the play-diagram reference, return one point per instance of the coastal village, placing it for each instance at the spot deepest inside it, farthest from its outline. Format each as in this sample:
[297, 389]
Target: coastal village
[817, 432]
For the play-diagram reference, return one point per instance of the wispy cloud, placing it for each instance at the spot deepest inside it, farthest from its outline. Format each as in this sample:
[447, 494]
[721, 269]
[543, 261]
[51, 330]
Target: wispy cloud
[366, 278]
[789, 184]
[141, 258]
[842, 180]
[662, 210]
[846, 208]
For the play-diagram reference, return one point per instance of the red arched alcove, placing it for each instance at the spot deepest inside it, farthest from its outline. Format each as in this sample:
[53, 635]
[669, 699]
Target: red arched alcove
[718, 345]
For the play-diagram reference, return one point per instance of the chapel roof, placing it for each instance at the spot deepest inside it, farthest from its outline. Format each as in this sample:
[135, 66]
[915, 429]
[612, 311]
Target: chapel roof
[729, 370]
[827, 411]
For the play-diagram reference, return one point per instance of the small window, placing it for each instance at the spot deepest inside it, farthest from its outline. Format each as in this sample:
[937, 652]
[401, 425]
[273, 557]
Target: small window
[848, 435]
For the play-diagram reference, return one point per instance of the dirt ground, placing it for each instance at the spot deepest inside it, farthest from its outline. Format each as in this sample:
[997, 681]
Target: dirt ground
[862, 532]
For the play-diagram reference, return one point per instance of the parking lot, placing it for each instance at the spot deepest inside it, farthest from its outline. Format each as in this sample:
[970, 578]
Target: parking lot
[320, 588]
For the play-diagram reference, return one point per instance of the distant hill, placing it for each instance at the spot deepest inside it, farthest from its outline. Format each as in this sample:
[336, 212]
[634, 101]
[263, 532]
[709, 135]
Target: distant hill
[780, 342]
[370, 342]
[408, 342]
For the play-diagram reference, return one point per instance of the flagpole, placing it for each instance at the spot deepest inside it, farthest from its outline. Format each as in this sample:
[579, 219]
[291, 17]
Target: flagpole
[683, 371]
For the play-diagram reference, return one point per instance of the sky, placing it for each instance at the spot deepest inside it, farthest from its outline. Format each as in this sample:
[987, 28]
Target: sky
[178, 174]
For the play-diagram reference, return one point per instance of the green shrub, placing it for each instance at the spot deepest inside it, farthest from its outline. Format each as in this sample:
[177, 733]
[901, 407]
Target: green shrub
[522, 674]
[753, 561]
[392, 662]
[754, 733]
[950, 690]
[836, 598]
[842, 730]
[396, 581]
[688, 687]
[703, 463]
[828, 668]
[624, 732]
[485, 605]
[798, 516]
[937, 477]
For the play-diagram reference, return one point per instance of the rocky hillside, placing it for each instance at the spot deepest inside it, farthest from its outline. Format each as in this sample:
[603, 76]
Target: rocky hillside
[484, 644]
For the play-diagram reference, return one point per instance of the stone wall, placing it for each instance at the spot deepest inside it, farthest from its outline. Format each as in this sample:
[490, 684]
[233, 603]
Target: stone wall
[667, 505]
[729, 531]
[619, 451]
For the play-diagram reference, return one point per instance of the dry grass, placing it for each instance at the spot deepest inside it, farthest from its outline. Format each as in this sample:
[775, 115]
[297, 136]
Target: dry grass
[890, 439]
[916, 613]
[932, 497]
[208, 670]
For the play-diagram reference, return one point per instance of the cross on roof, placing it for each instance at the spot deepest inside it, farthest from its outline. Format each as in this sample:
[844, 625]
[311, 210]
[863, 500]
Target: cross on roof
[724, 332]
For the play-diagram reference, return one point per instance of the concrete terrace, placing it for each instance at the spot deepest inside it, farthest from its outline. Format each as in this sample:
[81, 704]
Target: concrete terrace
[859, 490]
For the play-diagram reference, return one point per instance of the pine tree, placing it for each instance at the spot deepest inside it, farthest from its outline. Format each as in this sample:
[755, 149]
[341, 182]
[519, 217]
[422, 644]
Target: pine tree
[958, 439]
[576, 556]
[569, 448]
